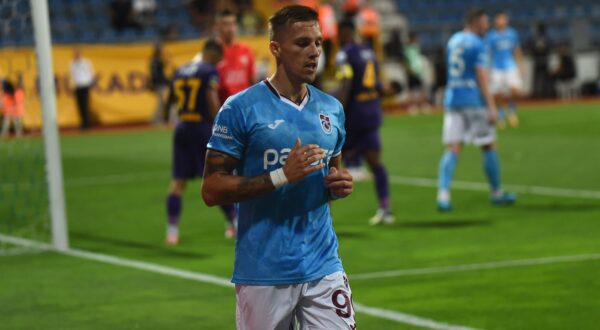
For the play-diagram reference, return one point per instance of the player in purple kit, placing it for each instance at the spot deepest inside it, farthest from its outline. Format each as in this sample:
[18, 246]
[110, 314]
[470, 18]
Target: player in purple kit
[194, 90]
[360, 90]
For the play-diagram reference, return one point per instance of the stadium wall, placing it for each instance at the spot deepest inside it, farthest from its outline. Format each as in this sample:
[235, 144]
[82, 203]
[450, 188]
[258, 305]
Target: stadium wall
[120, 94]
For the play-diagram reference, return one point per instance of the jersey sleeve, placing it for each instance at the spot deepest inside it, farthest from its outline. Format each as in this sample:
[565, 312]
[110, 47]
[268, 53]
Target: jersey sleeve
[228, 134]
[481, 55]
[341, 131]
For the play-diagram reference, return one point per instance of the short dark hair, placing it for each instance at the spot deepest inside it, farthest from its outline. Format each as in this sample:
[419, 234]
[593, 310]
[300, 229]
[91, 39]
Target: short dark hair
[212, 45]
[347, 24]
[225, 12]
[474, 14]
[288, 16]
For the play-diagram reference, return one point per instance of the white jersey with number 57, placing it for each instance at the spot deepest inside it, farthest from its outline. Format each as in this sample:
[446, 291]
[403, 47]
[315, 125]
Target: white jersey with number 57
[465, 53]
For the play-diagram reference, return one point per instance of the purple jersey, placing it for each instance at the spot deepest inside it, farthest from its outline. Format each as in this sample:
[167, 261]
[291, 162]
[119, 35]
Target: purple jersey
[189, 90]
[359, 63]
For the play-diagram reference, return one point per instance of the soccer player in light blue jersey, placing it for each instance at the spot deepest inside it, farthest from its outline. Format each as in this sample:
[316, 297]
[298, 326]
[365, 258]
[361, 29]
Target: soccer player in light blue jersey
[470, 110]
[276, 151]
[507, 68]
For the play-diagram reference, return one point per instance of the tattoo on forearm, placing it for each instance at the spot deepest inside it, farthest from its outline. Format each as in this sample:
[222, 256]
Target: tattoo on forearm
[236, 188]
[251, 186]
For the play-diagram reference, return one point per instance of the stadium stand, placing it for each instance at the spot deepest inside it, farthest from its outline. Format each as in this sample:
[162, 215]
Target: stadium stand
[434, 20]
[90, 22]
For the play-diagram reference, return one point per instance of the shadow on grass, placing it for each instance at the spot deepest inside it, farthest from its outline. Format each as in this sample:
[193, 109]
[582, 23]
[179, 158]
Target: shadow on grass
[557, 207]
[444, 224]
[159, 249]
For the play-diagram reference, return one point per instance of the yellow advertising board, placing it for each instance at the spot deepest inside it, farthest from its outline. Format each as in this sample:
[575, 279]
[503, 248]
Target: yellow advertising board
[120, 94]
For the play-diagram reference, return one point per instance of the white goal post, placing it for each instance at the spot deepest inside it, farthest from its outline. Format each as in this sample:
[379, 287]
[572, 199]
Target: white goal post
[54, 174]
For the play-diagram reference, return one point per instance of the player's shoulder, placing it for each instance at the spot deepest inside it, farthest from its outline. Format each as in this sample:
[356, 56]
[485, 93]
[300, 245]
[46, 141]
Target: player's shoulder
[326, 100]
[249, 96]
[195, 69]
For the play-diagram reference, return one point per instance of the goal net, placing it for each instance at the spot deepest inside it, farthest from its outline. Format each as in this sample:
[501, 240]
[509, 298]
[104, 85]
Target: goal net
[28, 172]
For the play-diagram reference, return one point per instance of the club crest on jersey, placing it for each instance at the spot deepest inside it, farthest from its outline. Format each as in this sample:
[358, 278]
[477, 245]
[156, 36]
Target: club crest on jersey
[325, 123]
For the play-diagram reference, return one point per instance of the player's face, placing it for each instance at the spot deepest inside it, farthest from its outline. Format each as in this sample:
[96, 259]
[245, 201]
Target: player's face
[483, 25]
[227, 28]
[500, 21]
[298, 50]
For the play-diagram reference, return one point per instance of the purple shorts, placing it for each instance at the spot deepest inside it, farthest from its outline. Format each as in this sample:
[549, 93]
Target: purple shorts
[361, 141]
[189, 149]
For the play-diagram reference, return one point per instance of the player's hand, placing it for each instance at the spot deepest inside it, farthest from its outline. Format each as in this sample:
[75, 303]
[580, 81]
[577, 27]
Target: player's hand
[492, 116]
[303, 160]
[339, 182]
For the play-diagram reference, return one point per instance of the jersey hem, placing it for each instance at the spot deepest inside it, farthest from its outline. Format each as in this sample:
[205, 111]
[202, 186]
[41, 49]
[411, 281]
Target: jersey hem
[259, 282]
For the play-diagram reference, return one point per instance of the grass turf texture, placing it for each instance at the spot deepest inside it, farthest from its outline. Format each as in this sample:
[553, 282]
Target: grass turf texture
[116, 185]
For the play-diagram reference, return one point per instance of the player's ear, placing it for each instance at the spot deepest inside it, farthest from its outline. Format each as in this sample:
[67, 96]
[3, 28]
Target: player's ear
[275, 48]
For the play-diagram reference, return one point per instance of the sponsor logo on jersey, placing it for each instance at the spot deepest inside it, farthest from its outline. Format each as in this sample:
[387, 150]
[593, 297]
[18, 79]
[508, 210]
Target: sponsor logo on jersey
[273, 157]
[276, 123]
[325, 123]
[221, 131]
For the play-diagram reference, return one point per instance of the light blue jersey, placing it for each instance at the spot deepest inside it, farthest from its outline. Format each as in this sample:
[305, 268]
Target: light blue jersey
[501, 45]
[466, 52]
[286, 236]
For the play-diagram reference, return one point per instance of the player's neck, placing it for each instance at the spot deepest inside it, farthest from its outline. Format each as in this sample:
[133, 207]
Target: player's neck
[286, 88]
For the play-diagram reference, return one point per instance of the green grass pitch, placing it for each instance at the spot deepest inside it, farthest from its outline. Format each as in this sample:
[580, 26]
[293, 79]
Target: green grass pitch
[115, 188]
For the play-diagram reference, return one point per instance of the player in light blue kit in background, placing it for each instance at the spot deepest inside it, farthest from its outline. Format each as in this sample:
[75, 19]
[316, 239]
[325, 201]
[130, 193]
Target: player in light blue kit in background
[276, 151]
[507, 68]
[470, 110]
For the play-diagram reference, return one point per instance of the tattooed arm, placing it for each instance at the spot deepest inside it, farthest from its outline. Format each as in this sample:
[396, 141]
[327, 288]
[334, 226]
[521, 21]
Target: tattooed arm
[220, 186]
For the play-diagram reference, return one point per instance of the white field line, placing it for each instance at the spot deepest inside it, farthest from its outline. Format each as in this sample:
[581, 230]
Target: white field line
[478, 266]
[395, 179]
[219, 281]
[18, 251]
[479, 186]
[407, 318]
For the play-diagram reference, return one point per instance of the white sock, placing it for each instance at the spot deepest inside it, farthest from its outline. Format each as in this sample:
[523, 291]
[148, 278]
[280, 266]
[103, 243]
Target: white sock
[172, 229]
[443, 195]
[497, 194]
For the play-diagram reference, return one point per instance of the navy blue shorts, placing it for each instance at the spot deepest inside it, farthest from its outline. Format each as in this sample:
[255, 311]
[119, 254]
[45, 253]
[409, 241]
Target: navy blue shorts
[189, 149]
[361, 141]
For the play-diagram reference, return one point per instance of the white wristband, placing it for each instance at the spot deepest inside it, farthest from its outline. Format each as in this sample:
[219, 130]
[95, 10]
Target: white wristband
[278, 178]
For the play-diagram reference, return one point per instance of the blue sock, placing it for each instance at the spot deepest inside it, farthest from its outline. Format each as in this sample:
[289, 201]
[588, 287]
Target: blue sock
[512, 106]
[501, 114]
[492, 168]
[446, 169]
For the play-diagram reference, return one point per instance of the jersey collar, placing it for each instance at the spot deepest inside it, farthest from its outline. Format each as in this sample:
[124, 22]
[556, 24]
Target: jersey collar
[296, 106]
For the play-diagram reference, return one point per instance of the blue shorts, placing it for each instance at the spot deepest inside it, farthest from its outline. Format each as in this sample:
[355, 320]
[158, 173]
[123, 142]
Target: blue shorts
[361, 141]
[189, 149]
